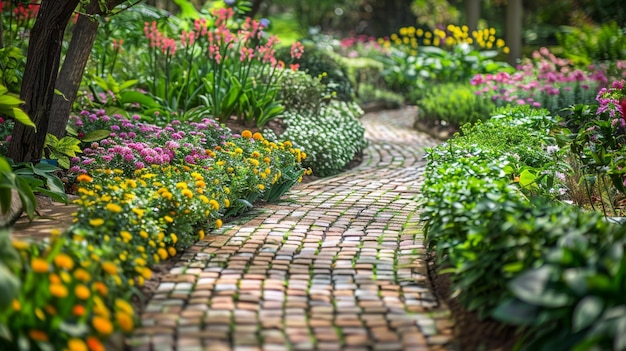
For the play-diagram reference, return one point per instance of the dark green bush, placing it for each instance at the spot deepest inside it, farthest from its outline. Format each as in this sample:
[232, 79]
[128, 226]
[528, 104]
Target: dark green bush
[557, 272]
[592, 44]
[320, 63]
[300, 92]
[454, 104]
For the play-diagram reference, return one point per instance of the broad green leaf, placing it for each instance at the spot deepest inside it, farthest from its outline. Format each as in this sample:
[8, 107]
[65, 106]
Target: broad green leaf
[5, 199]
[23, 118]
[129, 97]
[26, 195]
[68, 146]
[95, 135]
[532, 287]
[9, 100]
[527, 178]
[128, 84]
[9, 286]
[516, 312]
[4, 165]
[586, 312]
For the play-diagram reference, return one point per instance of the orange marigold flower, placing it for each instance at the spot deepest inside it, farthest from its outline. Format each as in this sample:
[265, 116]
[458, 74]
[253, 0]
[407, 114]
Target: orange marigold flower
[82, 292]
[84, 178]
[257, 136]
[15, 305]
[94, 344]
[38, 335]
[162, 253]
[109, 267]
[102, 325]
[246, 134]
[82, 275]
[125, 322]
[39, 265]
[78, 310]
[101, 288]
[214, 204]
[64, 261]
[58, 290]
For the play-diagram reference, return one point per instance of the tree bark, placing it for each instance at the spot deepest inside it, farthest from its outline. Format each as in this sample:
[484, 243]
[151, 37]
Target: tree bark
[40, 74]
[73, 67]
[513, 30]
[472, 14]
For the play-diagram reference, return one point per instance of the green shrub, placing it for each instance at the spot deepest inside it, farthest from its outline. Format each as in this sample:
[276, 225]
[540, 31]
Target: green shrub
[331, 139]
[454, 104]
[370, 94]
[555, 271]
[591, 44]
[300, 92]
[320, 63]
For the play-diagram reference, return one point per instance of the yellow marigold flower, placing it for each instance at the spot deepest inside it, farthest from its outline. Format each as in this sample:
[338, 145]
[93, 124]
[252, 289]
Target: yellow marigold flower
[15, 305]
[138, 212]
[115, 208]
[226, 203]
[226, 190]
[201, 234]
[168, 219]
[96, 222]
[172, 251]
[39, 265]
[261, 187]
[200, 184]
[76, 345]
[82, 292]
[109, 267]
[126, 236]
[20, 245]
[254, 162]
[257, 136]
[181, 185]
[156, 258]
[287, 143]
[230, 169]
[124, 306]
[187, 193]
[84, 178]
[65, 277]
[140, 280]
[214, 204]
[162, 253]
[174, 238]
[38, 335]
[238, 151]
[246, 134]
[102, 325]
[255, 154]
[218, 223]
[146, 273]
[267, 159]
[220, 163]
[58, 290]
[143, 234]
[204, 199]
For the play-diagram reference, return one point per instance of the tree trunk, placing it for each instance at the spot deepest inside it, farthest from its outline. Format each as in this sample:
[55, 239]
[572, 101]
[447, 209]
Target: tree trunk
[472, 14]
[71, 74]
[40, 74]
[513, 30]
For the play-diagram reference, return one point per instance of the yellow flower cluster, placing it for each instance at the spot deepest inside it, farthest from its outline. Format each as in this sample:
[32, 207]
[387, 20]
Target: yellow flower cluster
[411, 37]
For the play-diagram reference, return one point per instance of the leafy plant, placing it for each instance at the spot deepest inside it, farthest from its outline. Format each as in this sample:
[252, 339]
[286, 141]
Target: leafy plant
[588, 44]
[330, 139]
[453, 104]
[62, 149]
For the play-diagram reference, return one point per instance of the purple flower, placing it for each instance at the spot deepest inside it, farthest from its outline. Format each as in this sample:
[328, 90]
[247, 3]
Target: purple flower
[229, 3]
[264, 22]
[139, 165]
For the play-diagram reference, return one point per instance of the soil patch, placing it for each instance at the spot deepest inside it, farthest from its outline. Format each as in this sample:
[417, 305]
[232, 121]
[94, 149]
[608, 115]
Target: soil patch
[470, 332]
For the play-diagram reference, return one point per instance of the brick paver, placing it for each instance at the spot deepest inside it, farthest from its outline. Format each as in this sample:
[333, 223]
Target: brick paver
[337, 264]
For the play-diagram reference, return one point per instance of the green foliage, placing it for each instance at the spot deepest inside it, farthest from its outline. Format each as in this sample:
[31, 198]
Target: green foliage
[321, 63]
[61, 149]
[12, 62]
[9, 284]
[434, 13]
[550, 268]
[454, 104]
[300, 92]
[371, 94]
[586, 45]
[10, 107]
[41, 179]
[330, 139]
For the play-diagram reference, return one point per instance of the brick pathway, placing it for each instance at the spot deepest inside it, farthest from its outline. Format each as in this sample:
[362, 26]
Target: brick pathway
[337, 264]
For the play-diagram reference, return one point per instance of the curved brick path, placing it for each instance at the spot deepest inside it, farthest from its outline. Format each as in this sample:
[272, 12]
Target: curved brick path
[337, 264]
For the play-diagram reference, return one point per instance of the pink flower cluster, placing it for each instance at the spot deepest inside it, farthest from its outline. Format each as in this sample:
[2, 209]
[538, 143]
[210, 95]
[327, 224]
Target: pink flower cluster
[158, 39]
[134, 145]
[536, 79]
